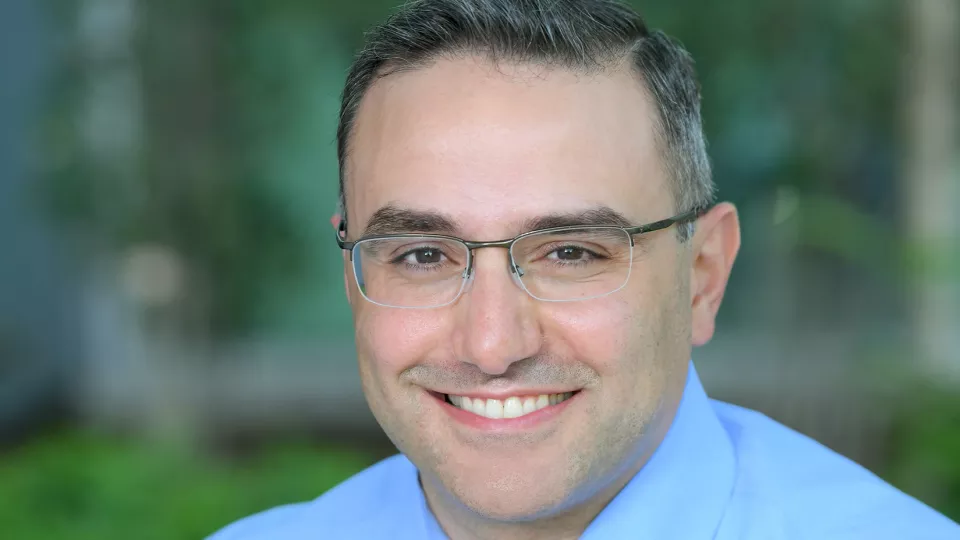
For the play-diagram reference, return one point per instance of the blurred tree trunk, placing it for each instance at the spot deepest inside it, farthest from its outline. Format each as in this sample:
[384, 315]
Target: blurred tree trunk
[932, 180]
[134, 370]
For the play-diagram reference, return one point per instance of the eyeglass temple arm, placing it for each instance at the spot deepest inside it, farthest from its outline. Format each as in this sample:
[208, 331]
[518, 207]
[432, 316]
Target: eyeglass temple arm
[686, 217]
[341, 234]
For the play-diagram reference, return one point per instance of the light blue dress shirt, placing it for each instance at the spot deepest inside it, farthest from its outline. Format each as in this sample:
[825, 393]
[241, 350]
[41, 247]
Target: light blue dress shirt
[722, 472]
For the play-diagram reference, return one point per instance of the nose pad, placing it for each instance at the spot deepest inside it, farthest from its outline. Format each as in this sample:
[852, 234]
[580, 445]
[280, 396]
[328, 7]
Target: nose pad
[467, 278]
[516, 273]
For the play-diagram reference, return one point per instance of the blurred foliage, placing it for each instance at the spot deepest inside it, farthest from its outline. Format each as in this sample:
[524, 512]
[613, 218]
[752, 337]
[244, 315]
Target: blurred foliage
[88, 487]
[835, 226]
[227, 176]
[925, 449]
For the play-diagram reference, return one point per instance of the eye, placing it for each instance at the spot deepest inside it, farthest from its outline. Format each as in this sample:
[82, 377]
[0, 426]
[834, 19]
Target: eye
[426, 255]
[570, 253]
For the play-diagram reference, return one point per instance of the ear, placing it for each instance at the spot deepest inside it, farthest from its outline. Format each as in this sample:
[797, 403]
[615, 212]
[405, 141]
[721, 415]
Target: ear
[335, 220]
[715, 246]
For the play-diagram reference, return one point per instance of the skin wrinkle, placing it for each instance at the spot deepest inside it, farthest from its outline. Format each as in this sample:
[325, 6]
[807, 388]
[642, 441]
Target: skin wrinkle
[457, 139]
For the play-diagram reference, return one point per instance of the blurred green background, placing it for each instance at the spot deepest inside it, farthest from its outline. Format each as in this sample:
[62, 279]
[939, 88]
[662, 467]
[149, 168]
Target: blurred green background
[175, 347]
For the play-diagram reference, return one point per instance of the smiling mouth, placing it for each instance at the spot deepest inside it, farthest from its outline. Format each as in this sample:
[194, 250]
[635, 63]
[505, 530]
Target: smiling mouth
[512, 407]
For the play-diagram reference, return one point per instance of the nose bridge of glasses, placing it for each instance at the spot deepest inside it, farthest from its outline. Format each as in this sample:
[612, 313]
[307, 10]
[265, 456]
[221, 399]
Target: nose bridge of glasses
[492, 271]
[503, 244]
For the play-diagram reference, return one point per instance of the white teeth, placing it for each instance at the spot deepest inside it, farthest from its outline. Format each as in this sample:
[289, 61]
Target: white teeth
[512, 407]
[494, 409]
[529, 405]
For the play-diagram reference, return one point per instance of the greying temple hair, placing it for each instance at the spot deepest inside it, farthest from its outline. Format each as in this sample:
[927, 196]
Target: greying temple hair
[580, 35]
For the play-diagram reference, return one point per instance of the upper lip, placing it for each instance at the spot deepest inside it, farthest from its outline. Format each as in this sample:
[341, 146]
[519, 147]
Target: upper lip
[508, 393]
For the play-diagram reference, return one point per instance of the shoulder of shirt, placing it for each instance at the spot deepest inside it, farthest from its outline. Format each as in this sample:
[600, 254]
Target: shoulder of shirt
[814, 491]
[354, 507]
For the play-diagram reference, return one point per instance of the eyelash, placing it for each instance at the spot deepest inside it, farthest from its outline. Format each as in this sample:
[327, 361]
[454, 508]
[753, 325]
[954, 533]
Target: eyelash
[590, 252]
[402, 260]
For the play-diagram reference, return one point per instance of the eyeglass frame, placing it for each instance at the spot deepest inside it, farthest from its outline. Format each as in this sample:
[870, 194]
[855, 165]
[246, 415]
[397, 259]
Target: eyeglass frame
[679, 219]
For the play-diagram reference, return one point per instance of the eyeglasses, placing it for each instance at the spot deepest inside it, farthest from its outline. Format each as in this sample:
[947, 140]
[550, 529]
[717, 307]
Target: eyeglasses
[562, 264]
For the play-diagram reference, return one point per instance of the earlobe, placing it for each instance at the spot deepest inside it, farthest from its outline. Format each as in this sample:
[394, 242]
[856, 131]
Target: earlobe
[716, 244]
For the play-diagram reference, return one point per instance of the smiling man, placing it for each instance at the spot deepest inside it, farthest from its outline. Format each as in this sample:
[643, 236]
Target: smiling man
[531, 251]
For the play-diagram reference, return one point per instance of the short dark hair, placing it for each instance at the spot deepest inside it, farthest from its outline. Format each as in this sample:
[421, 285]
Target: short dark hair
[581, 35]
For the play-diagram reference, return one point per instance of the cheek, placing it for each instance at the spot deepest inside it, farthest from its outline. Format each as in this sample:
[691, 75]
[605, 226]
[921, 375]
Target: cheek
[626, 339]
[594, 332]
[608, 333]
[392, 340]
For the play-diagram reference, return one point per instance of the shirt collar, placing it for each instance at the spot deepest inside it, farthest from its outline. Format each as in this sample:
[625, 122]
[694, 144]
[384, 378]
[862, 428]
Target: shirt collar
[682, 491]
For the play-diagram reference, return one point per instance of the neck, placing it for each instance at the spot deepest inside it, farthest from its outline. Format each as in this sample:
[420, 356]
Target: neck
[462, 523]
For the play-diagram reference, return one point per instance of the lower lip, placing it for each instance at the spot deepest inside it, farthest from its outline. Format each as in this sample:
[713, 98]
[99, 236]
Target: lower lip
[495, 425]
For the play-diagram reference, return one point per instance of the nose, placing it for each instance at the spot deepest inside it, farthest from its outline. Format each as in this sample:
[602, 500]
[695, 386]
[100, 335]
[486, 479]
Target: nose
[498, 322]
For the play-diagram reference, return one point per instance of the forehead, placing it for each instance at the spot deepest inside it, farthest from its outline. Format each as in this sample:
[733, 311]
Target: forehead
[494, 145]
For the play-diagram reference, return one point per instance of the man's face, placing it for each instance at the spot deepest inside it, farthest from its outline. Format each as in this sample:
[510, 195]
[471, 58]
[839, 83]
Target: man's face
[491, 149]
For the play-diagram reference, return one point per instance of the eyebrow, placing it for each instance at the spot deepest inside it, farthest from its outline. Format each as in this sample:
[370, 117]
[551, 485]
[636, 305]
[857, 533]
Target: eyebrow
[391, 219]
[599, 216]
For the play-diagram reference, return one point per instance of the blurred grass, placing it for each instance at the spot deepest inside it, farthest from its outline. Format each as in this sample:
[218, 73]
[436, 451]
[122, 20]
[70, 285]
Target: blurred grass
[925, 449]
[84, 486]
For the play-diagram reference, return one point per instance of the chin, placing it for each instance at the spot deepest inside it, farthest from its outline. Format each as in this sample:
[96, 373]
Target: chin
[512, 497]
